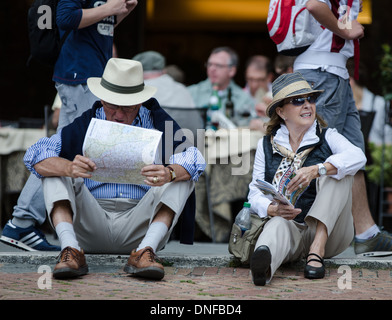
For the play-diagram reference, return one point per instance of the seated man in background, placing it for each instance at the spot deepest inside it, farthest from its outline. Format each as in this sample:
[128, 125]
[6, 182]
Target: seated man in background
[170, 93]
[259, 76]
[221, 68]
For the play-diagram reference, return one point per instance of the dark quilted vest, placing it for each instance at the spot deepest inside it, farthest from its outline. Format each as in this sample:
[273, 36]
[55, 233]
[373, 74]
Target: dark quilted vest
[319, 154]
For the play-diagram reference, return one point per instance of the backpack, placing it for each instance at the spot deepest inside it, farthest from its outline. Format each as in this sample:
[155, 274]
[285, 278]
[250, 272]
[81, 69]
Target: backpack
[291, 26]
[44, 35]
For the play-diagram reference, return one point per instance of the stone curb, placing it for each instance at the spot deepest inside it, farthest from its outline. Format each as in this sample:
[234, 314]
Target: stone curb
[179, 261]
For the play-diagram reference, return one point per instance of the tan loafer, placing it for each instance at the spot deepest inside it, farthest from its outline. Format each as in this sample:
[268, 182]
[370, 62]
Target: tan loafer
[72, 264]
[142, 263]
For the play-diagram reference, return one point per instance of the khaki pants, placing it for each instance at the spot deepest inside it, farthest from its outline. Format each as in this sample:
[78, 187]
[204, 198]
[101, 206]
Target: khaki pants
[114, 225]
[290, 241]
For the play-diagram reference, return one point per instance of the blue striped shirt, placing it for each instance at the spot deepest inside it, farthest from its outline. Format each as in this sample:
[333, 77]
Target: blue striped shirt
[191, 159]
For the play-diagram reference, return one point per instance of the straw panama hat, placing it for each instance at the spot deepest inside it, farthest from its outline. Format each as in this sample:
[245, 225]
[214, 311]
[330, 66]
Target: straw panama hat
[122, 83]
[289, 85]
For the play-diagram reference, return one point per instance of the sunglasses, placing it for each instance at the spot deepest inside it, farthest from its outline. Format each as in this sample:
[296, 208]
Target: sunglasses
[301, 101]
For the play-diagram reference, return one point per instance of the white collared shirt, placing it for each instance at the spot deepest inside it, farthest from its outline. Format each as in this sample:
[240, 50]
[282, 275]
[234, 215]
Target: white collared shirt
[346, 157]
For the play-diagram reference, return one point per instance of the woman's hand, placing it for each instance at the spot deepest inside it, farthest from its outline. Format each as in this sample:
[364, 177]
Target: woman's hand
[303, 178]
[282, 210]
[305, 175]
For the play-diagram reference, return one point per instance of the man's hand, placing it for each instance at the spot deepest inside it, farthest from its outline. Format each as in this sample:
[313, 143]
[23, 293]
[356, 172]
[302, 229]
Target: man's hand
[61, 167]
[156, 175]
[121, 7]
[357, 31]
[346, 29]
[131, 4]
[81, 167]
[125, 10]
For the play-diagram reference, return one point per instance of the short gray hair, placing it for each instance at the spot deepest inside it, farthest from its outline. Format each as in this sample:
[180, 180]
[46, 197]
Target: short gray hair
[233, 55]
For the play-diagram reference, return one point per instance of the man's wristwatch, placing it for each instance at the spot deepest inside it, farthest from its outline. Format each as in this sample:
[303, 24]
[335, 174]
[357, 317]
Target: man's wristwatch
[172, 173]
[322, 170]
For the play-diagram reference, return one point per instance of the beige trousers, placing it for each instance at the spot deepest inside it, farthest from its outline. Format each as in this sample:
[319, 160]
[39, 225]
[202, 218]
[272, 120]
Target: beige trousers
[290, 241]
[114, 225]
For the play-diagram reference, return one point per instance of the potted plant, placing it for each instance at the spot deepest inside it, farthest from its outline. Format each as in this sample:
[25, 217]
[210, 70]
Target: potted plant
[380, 170]
[386, 79]
[386, 72]
[374, 170]
[374, 173]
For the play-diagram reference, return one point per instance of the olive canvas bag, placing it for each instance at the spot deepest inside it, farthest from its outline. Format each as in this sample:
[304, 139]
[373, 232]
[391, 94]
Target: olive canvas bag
[243, 245]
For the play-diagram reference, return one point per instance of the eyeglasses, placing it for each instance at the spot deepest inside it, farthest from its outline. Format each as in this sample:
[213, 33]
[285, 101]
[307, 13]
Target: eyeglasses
[301, 101]
[217, 65]
[258, 80]
[125, 109]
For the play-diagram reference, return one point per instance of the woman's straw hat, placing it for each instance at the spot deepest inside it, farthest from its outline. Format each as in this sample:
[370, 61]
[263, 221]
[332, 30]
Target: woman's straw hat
[289, 85]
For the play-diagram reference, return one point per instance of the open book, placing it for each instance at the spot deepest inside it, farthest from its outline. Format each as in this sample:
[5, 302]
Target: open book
[281, 195]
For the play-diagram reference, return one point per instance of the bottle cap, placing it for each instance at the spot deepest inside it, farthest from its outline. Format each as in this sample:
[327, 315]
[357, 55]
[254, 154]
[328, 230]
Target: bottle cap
[247, 204]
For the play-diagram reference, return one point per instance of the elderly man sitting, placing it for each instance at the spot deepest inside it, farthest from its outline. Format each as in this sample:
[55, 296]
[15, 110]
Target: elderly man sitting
[112, 217]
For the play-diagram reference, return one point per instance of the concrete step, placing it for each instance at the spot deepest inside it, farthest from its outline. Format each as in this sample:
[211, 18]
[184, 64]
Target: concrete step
[175, 254]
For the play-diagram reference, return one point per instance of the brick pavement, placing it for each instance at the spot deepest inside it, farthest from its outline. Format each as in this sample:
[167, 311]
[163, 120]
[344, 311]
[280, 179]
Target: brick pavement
[199, 283]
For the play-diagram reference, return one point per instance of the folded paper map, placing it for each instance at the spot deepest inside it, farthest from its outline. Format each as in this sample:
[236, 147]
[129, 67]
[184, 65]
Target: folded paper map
[271, 193]
[282, 196]
[120, 151]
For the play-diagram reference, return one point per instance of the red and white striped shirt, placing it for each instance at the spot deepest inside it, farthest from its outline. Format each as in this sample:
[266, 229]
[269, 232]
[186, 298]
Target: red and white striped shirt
[330, 52]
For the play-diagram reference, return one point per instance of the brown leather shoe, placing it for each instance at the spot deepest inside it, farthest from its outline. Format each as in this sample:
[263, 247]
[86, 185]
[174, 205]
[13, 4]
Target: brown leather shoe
[72, 264]
[142, 263]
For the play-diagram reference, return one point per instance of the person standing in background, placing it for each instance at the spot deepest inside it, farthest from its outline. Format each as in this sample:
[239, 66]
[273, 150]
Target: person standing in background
[367, 101]
[323, 65]
[84, 54]
[86, 50]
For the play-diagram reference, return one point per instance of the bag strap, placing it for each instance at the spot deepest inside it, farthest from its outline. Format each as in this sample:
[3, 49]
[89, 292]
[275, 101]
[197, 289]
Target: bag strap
[356, 46]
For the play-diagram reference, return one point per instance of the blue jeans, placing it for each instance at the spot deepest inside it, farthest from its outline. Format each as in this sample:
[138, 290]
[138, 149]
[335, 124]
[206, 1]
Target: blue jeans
[75, 100]
[336, 104]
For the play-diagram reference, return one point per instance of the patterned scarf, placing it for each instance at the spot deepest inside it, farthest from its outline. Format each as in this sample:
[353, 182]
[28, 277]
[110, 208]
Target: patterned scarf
[290, 163]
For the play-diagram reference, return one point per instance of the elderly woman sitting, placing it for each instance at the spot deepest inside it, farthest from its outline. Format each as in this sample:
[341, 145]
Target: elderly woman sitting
[321, 163]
